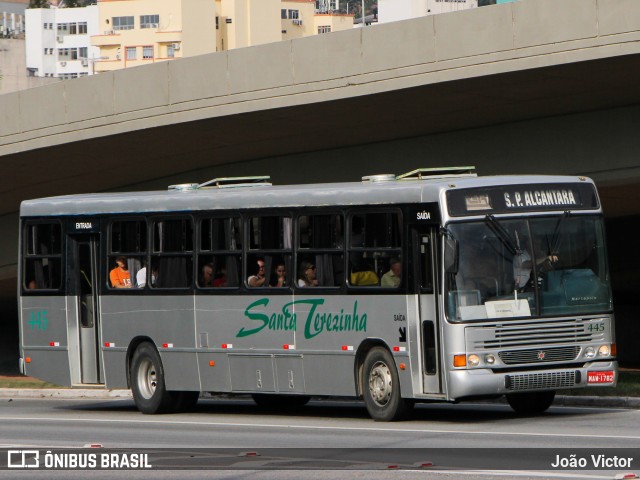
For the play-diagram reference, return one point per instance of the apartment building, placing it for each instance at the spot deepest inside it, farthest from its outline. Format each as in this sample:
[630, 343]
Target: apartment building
[58, 41]
[115, 34]
[395, 10]
[12, 18]
[139, 32]
[303, 18]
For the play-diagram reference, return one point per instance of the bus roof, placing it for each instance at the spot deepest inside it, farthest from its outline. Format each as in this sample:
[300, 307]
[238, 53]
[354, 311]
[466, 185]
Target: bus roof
[258, 196]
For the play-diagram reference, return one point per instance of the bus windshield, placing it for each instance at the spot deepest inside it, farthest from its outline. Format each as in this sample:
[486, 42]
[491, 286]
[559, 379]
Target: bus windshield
[514, 268]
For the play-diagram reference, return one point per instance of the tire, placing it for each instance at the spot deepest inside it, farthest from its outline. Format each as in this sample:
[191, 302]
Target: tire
[530, 403]
[147, 382]
[381, 387]
[280, 402]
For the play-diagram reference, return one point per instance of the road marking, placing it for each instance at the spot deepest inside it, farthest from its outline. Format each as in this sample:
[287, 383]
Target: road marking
[317, 427]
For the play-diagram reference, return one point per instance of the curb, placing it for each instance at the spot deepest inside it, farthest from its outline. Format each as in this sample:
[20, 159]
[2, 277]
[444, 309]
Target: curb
[62, 393]
[70, 393]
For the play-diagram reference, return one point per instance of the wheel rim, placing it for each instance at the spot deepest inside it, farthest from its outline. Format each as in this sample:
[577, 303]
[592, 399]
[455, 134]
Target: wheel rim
[147, 378]
[380, 386]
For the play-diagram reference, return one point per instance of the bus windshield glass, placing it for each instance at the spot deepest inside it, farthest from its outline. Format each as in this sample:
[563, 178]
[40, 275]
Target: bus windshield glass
[534, 267]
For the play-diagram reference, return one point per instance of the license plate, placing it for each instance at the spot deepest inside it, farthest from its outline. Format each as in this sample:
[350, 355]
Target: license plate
[600, 377]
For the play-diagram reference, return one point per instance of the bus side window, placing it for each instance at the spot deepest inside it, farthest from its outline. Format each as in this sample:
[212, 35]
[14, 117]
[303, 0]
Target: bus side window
[270, 245]
[172, 254]
[374, 248]
[128, 244]
[42, 257]
[219, 252]
[321, 244]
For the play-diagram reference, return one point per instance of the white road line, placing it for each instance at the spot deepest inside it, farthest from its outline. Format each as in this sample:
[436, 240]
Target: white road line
[316, 427]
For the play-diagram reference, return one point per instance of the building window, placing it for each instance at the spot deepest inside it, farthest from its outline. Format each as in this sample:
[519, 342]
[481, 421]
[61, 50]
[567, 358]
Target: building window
[73, 29]
[283, 13]
[82, 28]
[122, 23]
[83, 52]
[149, 21]
[171, 52]
[147, 52]
[294, 14]
[63, 28]
[131, 53]
[324, 29]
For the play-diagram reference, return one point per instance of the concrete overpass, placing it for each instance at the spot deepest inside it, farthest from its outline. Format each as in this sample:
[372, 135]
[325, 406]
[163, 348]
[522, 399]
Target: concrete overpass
[536, 86]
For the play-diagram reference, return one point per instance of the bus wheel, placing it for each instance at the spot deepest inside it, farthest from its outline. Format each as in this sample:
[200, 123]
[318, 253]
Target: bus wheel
[147, 381]
[530, 403]
[382, 387]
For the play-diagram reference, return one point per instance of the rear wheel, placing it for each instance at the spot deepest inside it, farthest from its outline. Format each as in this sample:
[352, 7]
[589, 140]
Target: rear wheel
[147, 382]
[381, 387]
[530, 403]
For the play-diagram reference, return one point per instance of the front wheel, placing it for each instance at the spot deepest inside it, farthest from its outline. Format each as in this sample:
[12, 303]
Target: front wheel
[530, 403]
[381, 387]
[147, 381]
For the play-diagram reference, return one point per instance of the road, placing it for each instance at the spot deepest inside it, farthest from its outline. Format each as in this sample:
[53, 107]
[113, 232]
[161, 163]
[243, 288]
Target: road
[239, 425]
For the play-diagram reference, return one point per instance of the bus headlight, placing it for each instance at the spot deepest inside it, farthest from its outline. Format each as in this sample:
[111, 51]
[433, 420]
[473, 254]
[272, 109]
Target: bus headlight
[473, 360]
[604, 351]
[589, 352]
[489, 359]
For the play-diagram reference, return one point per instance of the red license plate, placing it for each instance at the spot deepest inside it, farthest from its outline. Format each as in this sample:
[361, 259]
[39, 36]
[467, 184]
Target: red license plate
[600, 377]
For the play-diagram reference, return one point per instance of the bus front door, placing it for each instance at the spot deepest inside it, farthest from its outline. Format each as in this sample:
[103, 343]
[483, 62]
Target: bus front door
[425, 278]
[83, 282]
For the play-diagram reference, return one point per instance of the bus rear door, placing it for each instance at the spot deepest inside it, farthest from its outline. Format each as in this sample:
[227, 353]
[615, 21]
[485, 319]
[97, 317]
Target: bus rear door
[425, 278]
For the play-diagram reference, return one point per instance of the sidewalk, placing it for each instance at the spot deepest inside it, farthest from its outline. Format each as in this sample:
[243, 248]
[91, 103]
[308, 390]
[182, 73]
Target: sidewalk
[560, 400]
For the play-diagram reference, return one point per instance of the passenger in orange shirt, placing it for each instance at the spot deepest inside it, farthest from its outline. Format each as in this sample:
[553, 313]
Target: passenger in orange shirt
[119, 276]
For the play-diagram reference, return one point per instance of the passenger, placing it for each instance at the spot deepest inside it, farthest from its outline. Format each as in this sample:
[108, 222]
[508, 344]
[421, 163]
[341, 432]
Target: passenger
[279, 276]
[206, 279]
[141, 276]
[220, 279]
[307, 275]
[119, 276]
[392, 278]
[258, 278]
[363, 275]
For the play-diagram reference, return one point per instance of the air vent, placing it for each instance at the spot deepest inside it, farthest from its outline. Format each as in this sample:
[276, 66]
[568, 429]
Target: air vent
[384, 177]
[438, 172]
[227, 182]
[184, 187]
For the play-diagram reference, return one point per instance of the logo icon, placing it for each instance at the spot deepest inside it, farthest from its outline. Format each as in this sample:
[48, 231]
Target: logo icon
[541, 355]
[23, 459]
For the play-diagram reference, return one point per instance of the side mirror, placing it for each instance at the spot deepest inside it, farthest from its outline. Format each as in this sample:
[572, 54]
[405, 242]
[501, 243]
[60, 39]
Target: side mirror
[451, 254]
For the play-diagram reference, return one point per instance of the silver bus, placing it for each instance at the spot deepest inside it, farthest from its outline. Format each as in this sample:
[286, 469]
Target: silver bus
[436, 285]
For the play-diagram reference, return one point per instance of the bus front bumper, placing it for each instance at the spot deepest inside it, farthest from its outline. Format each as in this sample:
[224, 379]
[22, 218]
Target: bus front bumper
[479, 382]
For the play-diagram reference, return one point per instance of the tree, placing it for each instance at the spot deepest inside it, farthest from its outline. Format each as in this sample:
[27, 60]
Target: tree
[38, 3]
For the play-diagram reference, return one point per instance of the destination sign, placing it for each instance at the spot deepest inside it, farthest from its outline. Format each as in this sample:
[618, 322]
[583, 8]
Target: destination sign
[522, 198]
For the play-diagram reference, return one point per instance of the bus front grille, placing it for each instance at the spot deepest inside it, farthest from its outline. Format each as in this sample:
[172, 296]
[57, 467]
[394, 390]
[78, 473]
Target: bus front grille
[540, 381]
[540, 355]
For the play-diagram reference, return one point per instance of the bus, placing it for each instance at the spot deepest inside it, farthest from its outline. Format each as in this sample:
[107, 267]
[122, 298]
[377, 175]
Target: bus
[437, 285]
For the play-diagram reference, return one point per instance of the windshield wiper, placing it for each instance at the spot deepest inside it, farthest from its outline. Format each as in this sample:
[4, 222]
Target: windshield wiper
[556, 238]
[497, 228]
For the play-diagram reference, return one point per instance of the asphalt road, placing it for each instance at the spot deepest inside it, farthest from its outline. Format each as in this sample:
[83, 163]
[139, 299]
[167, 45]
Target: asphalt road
[428, 446]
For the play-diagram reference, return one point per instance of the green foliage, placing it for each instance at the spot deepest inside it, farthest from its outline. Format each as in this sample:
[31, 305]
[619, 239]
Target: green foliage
[38, 3]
